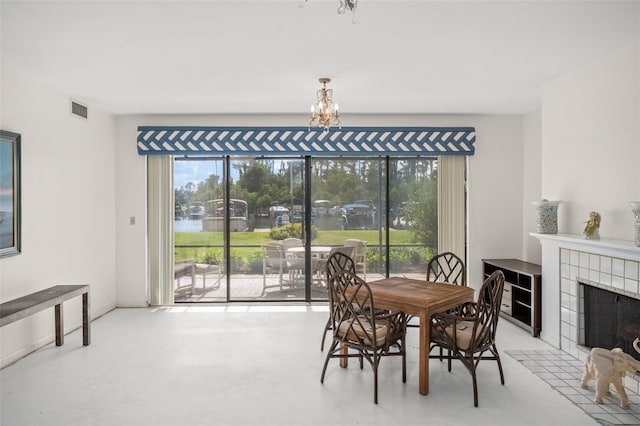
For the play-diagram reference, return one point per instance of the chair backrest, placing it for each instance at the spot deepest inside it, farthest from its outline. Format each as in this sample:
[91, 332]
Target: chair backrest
[339, 261]
[488, 310]
[446, 268]
[336, 263]
[358, 247]
[353, 314]
[344, 250]
[273, 255]
[359, 254]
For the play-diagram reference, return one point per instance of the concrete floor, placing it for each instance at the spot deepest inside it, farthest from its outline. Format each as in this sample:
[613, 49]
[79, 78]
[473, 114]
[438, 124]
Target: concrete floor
[258, 365]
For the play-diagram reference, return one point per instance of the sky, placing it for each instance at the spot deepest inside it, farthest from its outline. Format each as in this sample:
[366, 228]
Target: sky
[195, 171]
[6, 177]
[185, 171]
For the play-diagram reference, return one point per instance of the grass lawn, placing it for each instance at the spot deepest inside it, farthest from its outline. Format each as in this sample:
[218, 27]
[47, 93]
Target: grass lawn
[324, 238]
[247, 244]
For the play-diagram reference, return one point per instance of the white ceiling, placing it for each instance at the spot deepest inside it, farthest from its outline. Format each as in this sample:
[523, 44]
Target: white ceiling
[266, 56]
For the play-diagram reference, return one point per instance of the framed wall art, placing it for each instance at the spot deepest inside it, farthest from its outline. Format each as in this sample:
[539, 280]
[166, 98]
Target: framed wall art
[9, 193]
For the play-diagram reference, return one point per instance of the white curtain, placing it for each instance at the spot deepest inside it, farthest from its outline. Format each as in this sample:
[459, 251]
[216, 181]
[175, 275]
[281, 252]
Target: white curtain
[451, 204]
[160, 210]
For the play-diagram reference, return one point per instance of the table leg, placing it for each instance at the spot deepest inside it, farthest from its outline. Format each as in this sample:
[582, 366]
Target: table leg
[344, 362]
[424, 354]
[59, 325]
[86, 322]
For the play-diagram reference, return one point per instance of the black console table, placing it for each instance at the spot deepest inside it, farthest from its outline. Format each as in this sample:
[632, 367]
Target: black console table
[22, 307]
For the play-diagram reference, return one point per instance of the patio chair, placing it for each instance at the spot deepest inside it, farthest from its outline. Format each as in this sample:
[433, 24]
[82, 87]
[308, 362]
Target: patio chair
[359, 255]
[470, 331]
[181, 269]
[273, 261]
[336, 262]
[319, 264]
[206, 269]
[357, 327]
[294, 263]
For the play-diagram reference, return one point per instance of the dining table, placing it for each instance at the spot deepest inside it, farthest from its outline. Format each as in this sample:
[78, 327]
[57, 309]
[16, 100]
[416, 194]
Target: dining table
[421, 299]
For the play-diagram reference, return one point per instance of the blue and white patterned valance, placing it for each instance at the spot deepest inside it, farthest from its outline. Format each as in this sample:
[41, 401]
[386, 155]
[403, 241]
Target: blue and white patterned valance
[299, 141]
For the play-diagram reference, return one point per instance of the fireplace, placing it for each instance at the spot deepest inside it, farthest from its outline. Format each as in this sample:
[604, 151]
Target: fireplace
[608, 319]
[571, 263]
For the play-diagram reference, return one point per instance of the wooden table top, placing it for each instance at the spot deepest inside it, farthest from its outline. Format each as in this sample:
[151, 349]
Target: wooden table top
[415, 296]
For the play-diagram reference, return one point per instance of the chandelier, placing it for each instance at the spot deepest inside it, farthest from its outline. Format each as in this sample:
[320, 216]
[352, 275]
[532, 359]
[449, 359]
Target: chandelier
[345, 5]
[348, 5]
[324, 113]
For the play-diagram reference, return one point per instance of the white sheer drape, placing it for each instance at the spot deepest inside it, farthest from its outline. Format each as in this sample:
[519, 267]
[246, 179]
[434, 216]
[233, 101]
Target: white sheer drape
[160, 210]
[451, 204]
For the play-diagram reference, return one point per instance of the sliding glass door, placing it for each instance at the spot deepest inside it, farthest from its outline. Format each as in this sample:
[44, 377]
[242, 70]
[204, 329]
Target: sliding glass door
[249, 229]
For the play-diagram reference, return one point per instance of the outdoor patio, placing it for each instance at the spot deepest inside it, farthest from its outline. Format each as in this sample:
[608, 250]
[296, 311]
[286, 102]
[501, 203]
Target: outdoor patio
[251, 287]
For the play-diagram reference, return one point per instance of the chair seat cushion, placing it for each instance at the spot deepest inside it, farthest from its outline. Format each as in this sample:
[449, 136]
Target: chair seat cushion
[463, 333]
[360, 329]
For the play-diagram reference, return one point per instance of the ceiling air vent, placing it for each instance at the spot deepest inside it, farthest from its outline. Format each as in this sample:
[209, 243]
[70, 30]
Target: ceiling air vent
[79, 110]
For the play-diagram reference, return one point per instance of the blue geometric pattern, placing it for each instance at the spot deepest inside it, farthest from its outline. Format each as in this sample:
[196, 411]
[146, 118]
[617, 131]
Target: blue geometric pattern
[300, 141]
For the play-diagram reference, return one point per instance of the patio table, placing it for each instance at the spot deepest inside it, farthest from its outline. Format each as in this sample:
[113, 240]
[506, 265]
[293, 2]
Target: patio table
[319, 251]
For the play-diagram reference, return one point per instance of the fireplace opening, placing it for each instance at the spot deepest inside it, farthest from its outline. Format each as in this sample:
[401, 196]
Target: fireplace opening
[610, 320]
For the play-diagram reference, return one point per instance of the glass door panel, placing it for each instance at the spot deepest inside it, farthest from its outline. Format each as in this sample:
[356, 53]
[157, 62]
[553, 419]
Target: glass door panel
[198, 234]
[267, 258]
[346, 199]
[413, 200]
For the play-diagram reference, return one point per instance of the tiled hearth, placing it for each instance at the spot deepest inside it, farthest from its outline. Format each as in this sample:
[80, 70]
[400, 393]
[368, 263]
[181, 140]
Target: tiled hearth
[612, 265]
[563, 373]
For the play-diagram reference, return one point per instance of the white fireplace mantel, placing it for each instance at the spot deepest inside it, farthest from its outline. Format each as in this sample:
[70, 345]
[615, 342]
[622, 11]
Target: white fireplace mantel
[625, 249]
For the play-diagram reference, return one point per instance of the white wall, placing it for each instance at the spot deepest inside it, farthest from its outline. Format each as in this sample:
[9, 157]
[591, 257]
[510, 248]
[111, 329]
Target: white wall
[531, 183]
[131, 273]
[77, 230]
[590, 153]
[591, 143]
[495, 193]
[68, 204]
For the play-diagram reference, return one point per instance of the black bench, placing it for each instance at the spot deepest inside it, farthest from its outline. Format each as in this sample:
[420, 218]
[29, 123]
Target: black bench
[22, 307]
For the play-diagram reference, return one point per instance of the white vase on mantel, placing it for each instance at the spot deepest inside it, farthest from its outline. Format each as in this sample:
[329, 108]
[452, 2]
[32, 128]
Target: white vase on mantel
[635, 208]
[547, 216]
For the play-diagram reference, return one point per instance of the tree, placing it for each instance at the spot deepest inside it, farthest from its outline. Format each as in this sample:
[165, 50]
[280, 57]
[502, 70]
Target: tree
[422, 213]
